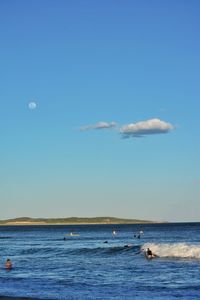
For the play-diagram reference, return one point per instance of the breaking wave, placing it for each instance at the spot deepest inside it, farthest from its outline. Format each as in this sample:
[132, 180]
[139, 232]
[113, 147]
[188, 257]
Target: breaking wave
[176, 250]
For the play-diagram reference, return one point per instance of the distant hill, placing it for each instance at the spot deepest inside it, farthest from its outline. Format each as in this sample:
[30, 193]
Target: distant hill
[72, 220]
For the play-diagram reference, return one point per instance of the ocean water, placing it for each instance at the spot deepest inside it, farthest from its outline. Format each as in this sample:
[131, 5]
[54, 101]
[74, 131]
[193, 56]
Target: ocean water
[90, 262]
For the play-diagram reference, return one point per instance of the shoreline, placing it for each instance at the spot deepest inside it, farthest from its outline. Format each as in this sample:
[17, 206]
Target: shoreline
[21, 221]
[66, 224]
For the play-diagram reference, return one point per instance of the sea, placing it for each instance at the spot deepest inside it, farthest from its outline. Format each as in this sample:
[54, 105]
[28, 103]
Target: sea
[101, 261]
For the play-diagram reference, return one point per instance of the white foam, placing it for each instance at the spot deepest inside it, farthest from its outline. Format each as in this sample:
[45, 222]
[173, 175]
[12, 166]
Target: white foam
[181, 250]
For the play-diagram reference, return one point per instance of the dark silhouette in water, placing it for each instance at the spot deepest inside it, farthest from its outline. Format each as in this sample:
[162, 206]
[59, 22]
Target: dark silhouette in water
[149, 254]
[127, 246]
[8, 264]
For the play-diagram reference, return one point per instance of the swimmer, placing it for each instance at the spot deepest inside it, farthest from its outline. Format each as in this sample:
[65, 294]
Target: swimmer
[8, 264]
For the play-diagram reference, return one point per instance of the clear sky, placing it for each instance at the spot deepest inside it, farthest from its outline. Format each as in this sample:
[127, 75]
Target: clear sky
[99, 109]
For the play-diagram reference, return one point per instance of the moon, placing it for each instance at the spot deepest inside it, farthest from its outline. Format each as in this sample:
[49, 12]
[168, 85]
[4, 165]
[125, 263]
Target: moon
[32, 105]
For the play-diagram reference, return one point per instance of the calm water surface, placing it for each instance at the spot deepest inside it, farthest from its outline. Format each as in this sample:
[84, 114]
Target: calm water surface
[92, 263]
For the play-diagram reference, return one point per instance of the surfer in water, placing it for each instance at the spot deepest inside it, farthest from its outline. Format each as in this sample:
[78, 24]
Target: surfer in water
[150, 254]
[114, 232]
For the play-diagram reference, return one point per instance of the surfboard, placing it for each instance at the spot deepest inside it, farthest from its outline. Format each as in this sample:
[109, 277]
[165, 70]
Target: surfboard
[150, 256]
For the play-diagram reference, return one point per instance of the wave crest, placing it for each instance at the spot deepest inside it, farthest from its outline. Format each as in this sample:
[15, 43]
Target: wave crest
[178, 250]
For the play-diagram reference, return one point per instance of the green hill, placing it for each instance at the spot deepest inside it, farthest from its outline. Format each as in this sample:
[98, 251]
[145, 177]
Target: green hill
[71, 220]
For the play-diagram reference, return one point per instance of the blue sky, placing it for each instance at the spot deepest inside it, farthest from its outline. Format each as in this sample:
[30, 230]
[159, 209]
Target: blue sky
[133, 65]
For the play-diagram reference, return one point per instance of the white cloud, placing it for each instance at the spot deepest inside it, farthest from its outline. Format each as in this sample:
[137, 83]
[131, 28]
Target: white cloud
[99, 125]
[32, 105]
[139, 129]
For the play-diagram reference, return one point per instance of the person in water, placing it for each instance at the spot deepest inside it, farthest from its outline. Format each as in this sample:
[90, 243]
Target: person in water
[114, 232]
[8, 264]
[149, 252]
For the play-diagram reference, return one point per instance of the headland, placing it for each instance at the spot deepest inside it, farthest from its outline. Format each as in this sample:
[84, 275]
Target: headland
[70, 221]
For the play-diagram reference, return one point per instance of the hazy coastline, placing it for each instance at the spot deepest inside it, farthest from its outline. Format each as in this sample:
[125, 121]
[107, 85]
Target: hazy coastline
[71, 221]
